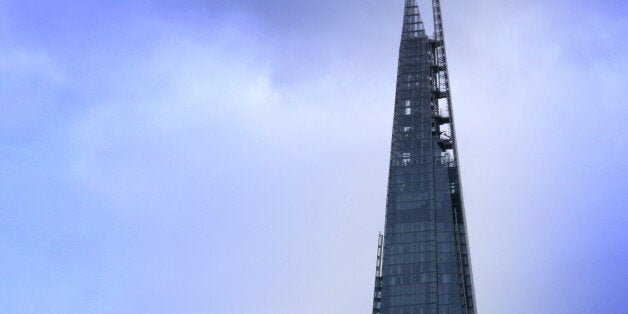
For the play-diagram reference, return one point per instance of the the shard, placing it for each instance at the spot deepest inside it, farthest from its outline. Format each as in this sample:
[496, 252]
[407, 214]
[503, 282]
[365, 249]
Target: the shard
[423, 264]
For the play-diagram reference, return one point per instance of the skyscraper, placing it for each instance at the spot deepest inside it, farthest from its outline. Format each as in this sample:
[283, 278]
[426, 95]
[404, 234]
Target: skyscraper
[423, 261]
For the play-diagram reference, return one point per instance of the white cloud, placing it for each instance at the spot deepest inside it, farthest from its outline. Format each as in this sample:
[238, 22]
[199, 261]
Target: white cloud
[198, 146]
[232, 164]
[28, 82]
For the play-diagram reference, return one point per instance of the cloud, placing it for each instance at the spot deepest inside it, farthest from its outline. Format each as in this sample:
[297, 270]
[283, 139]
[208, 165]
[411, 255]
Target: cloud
[30, 81]
[192, 156]
[218, 164]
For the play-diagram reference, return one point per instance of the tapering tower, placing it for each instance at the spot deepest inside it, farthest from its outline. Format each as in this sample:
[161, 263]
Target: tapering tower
[423, 263]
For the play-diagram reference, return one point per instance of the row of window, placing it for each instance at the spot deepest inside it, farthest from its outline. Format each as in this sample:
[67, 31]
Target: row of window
[395, 191]
[410, 85]
[408, 187]
[445, 256]
[412, 269]
[427, 309]
[412, 102]
[446, 292]
[415, 64]
[405, 248]
[424, 188]
[410, 45]
[416, 55]
[421, 288]
[410, 299]
[417, 226]
[419, 79]
[406, 279]
[443, 238]
[416, 200]
[410, 237]
[419, 136]
[414, 135]
[416, 191]
[423, 154]
[416, 265]
[404, 131]
[420, 194]
[413, 93]
[398, 259]
[411, 177]
[418, 255]
[413, 156]
[427, 171]
[399, 206]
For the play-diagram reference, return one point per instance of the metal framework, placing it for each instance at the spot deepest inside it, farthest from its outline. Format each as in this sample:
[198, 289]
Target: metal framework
[423, 263]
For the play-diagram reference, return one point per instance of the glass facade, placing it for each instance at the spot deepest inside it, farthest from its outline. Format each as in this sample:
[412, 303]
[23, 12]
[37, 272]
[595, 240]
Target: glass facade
[424, 267]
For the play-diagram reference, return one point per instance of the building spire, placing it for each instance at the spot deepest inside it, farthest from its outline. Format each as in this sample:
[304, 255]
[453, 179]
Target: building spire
[423, 262]
[412, 23]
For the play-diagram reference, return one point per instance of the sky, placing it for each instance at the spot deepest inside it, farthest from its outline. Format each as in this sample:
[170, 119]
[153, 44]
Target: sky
[232, 156]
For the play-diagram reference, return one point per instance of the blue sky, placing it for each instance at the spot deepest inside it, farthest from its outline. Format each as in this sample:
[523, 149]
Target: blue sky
[231, 157]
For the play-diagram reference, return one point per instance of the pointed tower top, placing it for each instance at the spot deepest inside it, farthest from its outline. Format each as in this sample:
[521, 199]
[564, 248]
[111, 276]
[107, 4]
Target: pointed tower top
[412, 23]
